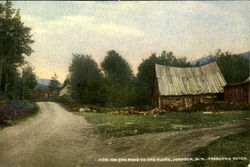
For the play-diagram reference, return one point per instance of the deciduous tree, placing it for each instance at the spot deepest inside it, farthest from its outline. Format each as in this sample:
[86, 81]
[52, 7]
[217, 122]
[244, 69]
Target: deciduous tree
[116, 67]
[15, 41]
[86, 80]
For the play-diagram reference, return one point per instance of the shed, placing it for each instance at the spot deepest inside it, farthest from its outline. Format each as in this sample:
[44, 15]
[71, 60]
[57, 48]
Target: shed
[238, 93]
[180, 88]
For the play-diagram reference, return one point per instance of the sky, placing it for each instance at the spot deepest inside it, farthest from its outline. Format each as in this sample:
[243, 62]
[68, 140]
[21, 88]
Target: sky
[134, 29]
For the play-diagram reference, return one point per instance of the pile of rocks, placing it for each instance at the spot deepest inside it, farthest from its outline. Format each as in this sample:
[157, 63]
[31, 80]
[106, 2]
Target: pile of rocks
[86, 110]
[153, 111]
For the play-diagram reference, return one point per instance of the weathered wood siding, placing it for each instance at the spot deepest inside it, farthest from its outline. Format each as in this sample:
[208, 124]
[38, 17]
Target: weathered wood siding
[180, 88]
[39, 95]
[185, 102]
[238, 93]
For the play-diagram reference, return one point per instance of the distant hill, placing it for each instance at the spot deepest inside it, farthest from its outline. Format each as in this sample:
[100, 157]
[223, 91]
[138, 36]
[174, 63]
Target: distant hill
[203, 60]
[246, 55]
[43, 81]
[207, 59]
[42, 84]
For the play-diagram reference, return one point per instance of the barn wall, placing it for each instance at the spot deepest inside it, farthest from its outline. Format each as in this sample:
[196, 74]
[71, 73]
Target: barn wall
[238, 94]
[39, 95]
[156, 93]
[185, 102]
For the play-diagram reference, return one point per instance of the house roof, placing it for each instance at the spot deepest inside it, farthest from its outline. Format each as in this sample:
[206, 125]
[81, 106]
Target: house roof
[174, 81]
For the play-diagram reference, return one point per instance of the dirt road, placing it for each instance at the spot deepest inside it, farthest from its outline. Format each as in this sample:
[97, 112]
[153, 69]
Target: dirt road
[56, 137]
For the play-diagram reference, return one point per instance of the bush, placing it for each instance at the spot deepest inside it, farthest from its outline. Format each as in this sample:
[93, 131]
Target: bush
[65, 99]
[60, 99]
[11, 110]
[218, 106]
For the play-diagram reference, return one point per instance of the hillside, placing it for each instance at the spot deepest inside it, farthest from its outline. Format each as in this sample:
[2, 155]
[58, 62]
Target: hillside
[43, 81]
[207, 59]
[42, 84]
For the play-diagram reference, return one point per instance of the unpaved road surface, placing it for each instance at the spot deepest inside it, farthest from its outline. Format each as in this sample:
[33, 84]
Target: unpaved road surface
[57, 138]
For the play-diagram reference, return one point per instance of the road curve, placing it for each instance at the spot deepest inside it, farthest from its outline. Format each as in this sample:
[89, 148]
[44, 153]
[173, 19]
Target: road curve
[53, 138]
[57, 138]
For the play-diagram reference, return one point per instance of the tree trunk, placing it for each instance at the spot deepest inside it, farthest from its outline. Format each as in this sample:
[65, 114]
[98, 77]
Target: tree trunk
[1, 73]
[6, 85]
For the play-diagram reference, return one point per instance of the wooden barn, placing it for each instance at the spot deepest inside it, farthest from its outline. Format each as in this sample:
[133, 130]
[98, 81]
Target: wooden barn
[238, 93]
[40, 95]
[180, 88]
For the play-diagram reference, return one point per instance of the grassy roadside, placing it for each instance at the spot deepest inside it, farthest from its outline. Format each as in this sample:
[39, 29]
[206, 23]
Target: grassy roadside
[237, 145]
[31, 114]
[125, 125]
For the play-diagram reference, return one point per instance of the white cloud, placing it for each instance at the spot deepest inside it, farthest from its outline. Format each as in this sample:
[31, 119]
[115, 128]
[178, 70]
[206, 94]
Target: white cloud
[189, 29]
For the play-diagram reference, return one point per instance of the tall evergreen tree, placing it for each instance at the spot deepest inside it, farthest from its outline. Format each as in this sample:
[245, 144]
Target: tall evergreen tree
[15, 41]
[28, 81]
[54, 83]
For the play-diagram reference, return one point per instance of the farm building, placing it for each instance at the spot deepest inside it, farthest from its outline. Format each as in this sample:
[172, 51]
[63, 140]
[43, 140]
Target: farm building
[238, 93]
[180, 88]
[66, 90]
[46, 94]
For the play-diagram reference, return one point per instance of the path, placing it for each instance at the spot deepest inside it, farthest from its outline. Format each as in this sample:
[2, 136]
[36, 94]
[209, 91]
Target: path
[57, 138]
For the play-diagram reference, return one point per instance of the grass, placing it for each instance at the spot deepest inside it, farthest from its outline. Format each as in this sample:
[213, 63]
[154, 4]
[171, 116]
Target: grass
[126, 125]
[19, 120]
[237, 145]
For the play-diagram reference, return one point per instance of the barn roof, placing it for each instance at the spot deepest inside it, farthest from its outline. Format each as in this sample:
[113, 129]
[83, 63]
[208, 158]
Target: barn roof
[174, 81]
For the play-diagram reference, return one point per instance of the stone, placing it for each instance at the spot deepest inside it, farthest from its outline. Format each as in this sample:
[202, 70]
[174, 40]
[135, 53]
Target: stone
[81, 110]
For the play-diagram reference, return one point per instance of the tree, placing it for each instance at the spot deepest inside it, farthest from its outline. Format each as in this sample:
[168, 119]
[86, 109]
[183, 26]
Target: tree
[146, 70]
[66, 81]
[119, 78]
[15, 41]
[22, 83]
[28, 81]
[234, 68]
[116, 68]
[54, 83]
[86, 80]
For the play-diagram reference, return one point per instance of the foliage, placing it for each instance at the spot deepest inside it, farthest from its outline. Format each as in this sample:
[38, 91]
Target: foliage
[235, 68]
[120, 88]
[120, 95]
[116, 68]
[237, 145]
[13, 110]
[22, 84]
[86, 80]
[65, 99]
[127, 124]
[15, 41]
[28, 81]
[54, 83]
